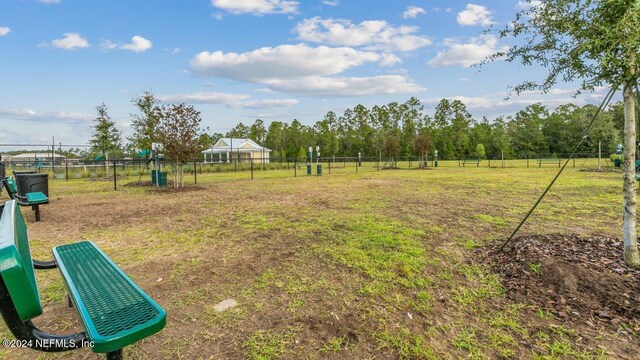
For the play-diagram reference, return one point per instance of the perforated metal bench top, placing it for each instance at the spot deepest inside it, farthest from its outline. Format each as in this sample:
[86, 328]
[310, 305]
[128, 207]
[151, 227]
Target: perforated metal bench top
[37, 198]
[113, 309]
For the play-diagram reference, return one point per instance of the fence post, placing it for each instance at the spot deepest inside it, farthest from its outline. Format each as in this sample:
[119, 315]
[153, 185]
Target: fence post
[251, 160]
[527, 160]
[356, 166]
[329, 166]
[115, 176]
[66, 169]
[195, 173]
[295, 168]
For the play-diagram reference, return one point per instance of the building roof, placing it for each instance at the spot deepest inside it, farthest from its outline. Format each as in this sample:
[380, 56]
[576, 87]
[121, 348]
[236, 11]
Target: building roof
[32, 155]
[224, 145]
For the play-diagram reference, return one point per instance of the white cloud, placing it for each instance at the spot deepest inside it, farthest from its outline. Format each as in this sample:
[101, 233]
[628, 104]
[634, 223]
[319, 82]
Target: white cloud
[331, 3]
[32, 115]
[257, 7]
[372, 34]
[138, 44]
[267, 103]
[301, 69]
[526, 5]
[496, 104]
[237, 101]
[218, 15]
[284, 61]
[319, 86]
[175, 51]
[106, 45]
[475, 15]
[204, 98]
[49, 1]
[466, 54]
[4, 31]
[70, 41]
[412, 12]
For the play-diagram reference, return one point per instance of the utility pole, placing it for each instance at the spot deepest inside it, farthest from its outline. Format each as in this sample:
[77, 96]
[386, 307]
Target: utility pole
[53, 152]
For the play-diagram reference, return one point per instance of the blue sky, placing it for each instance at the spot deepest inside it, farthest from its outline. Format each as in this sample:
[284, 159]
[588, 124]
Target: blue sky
[238, 60]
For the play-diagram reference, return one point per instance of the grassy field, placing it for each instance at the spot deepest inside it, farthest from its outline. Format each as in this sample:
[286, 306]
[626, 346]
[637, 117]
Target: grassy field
[80, 180]
[373, 265]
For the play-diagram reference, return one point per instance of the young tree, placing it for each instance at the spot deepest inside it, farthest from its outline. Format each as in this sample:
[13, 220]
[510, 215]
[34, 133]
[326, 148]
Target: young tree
[180, 134]
[302, 154]
[480, 152]
[145, 122]
[595, 42]
[257, 132]
[240, 131]
[106, 137]
[423, 144]
[392, 148]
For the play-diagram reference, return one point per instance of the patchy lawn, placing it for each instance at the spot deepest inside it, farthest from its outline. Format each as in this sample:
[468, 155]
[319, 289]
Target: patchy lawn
[369, 265]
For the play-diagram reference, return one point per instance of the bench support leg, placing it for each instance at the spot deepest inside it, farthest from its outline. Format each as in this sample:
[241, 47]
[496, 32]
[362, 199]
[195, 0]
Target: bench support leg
[115, 355]
[69, 302]
[36, 208]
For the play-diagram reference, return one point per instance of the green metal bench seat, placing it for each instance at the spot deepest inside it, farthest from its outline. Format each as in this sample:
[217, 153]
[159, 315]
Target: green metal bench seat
[33, 199]
[36, 198]
[115, 312]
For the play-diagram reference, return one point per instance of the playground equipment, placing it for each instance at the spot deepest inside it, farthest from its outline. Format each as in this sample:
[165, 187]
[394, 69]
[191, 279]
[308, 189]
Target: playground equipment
[309, 160]
[618, 161]
[318, 165]
[158, 177]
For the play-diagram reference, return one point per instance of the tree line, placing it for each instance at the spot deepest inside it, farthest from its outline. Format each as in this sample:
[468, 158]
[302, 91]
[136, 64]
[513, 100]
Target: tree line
[389, 131]
[404, 129]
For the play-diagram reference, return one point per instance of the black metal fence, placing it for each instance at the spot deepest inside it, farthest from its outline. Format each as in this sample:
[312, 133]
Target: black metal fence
[74, 176]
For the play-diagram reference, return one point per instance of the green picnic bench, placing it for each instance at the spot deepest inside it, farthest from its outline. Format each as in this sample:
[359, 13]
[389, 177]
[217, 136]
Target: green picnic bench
[33, 199]
[471, 161]
[114, 311]
[549, 161]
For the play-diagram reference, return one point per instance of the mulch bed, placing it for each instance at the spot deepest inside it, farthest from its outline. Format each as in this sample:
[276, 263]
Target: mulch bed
[603, 170]
[142, 183]
[583, 279]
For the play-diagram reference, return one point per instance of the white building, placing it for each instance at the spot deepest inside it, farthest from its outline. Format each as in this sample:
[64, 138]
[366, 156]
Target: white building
[41, 156]
[230, 149]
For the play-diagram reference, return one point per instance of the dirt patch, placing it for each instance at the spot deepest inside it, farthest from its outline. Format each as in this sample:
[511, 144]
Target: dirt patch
[604, 170]
[106, 178]
[577, 279]
[142, 183]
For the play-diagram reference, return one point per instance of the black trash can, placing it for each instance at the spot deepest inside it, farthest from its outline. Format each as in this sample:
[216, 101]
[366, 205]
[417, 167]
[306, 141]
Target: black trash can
[32, 183]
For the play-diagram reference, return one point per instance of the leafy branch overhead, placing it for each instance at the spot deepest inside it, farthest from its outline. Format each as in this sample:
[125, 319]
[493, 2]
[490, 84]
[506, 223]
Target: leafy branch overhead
[586, 40]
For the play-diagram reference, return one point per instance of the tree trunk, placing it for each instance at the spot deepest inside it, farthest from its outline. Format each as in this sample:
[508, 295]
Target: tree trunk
[631, 255]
